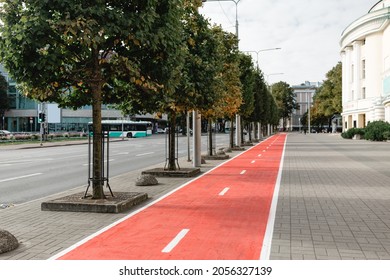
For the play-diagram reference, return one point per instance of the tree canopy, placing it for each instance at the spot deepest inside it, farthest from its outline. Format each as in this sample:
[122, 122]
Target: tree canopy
[247, 78]
[91, 52]
[229, 85]
[327, 99]
[285, 100]
[60, 50]
[142, 56]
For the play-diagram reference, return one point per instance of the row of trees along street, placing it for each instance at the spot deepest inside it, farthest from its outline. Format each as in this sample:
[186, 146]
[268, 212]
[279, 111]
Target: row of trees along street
[141, 56]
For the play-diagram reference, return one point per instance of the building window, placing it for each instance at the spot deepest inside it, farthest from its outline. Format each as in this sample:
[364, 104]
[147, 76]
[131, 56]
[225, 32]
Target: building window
[363, 93]
[363, 69]
[352, 72]
[352, 95]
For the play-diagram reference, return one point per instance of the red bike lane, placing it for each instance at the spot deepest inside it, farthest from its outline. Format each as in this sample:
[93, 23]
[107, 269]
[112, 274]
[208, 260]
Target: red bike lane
[222, 215]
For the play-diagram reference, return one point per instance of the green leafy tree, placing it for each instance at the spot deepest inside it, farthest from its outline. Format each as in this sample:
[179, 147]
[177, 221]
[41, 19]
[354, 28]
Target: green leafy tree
[260, 92]
[272, 114]
[327, 100]
[4, 100]
[232, 99]
[274, 111]
[285, 101]
[200, 77]
[77, 52]
[247, 78]
[268, 110]
[228, 88]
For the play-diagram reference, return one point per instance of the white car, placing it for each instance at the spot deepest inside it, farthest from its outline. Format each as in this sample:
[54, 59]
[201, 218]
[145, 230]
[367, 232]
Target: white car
[160, 130]
[5, 134]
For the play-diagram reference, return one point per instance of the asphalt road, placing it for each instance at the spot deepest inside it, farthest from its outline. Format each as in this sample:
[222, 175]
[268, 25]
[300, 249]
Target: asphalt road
[33, 173]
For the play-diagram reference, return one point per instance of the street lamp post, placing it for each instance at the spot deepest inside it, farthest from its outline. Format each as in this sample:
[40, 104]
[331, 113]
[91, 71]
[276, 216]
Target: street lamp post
[259, 51]
[235, 2]
[238, 119]
[299, 125]
[272, 74]
[308, 112]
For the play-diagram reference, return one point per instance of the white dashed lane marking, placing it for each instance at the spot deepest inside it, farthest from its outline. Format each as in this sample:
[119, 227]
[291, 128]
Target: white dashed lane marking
[20, 177]
[175, 241]
[225, 190]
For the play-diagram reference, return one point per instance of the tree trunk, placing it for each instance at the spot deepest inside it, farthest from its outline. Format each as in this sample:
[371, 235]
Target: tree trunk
[97, 168]
[232, 133]
[250, 132]
[2, 116]
[210, 152]
[260, 132]
[242, 132]
[172, 142]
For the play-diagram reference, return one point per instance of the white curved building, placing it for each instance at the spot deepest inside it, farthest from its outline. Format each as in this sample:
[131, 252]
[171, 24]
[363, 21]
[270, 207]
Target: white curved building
[365, 52]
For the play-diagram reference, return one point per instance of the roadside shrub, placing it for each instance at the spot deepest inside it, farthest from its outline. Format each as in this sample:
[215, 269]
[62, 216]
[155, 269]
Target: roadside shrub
[345, 135]
[75, 134]
[350, 133]
[22, 136]
[377, 130]
[386, 135]
[360, 131]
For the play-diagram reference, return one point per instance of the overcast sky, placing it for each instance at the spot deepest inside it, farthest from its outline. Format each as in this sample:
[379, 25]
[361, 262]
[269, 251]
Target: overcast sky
[307, 31]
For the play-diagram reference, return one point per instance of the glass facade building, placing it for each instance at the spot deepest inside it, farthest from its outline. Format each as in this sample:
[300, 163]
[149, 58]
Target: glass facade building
[23, 113]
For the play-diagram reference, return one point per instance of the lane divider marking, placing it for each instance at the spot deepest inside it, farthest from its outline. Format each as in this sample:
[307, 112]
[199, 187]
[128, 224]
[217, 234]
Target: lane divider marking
[267, 240]
[20, 177]
[175, 241]
[225, 190]
[145, 154]
[242, 172]
[253, 161]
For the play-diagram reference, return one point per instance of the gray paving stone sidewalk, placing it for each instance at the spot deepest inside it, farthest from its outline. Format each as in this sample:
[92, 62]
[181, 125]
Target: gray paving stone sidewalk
[334, 200]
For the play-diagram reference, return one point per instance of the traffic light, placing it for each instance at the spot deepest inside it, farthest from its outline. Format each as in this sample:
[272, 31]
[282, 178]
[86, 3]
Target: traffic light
[41, 117]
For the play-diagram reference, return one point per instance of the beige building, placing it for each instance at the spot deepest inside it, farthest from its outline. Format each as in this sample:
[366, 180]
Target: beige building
[365, 52]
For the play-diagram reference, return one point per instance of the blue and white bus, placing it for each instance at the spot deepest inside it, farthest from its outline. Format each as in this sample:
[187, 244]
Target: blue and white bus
[122, 128]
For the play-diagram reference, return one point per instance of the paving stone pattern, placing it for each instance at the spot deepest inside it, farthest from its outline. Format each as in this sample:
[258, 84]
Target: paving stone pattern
[334, 200]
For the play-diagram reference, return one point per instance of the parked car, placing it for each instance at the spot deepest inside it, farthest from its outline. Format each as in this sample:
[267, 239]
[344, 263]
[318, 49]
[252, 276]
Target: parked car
[5, 134]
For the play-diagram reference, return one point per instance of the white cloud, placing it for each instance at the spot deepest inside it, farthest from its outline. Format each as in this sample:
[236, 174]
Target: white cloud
[308, 31]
